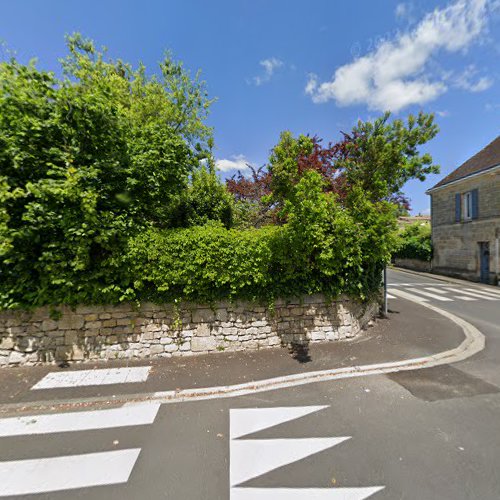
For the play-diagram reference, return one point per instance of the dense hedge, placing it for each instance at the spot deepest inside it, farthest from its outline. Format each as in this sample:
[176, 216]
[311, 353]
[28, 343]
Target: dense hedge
[210, 262]
[414, 242]
[323, 248]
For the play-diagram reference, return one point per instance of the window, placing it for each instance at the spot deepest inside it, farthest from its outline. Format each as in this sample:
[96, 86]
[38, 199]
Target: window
[467, 204]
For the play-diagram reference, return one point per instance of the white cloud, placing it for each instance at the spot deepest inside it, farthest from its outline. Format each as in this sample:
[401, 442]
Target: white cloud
[468, 80]
[443, 114]
[393, 75]
[270, 66]
[312, 83]
[401, 10]
[492, 106]
[404, 11]
[237, 162]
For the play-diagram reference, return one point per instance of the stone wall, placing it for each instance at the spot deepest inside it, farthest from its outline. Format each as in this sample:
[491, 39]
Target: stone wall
[152, 331]
[415, 264]
[443, 199]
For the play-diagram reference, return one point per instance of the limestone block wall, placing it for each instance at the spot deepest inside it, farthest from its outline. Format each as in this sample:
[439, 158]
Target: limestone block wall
[443, 200]
[152, 331]
[415, 264]
[456, 248]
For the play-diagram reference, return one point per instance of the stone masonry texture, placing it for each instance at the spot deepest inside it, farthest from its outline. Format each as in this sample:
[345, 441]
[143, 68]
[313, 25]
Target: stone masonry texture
[162, 331]
[456, 244]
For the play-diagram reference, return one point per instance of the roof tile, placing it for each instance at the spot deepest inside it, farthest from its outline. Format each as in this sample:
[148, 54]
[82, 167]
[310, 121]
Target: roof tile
[486, 158]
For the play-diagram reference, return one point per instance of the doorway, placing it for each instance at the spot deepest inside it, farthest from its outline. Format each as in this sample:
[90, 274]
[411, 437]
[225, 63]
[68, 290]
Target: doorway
[484, 261]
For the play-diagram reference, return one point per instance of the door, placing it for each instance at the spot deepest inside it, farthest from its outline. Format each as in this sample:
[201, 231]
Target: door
[484, 261]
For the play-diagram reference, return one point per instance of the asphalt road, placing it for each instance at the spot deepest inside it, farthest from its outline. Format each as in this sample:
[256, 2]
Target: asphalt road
[426, 434]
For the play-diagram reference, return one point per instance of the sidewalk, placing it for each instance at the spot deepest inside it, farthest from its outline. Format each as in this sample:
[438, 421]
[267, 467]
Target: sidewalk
[411, 331]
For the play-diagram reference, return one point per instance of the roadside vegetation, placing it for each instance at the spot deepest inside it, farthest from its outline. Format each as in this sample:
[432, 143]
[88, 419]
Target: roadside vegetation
[414, 242]
[109, 192]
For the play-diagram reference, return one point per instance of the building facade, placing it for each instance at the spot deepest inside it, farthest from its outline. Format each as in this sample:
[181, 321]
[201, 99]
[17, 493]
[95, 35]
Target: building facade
[465, 218]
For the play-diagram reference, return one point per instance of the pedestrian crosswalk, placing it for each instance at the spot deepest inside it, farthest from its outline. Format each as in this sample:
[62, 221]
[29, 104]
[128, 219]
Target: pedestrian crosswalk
[42, 475]
[432, 292]
[104, 376]
[68, 472]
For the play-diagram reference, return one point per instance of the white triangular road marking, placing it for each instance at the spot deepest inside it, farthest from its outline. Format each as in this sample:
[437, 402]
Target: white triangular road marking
[248, 420]
[253, 458]
[303, 493]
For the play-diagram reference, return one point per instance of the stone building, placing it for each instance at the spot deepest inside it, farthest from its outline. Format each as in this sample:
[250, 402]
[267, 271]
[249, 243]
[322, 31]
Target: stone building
[465, 216]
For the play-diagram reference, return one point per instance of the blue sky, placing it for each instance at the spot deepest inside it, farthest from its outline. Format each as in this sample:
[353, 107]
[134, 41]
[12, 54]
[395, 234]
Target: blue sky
[310, 67]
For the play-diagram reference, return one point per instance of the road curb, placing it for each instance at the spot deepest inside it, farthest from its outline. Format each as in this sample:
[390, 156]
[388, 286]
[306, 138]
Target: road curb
[473, 343]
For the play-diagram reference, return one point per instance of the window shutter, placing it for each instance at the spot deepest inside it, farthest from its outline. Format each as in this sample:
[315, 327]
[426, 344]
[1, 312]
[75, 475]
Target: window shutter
[475, 203]
[458, 207]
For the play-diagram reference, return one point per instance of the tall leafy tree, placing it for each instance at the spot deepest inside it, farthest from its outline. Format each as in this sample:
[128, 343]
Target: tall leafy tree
[87, 160]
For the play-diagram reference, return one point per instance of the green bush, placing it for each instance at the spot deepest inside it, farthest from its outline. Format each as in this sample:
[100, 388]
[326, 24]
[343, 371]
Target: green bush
[87, 161]
[323, 248]
[206, 199]
[414, 242]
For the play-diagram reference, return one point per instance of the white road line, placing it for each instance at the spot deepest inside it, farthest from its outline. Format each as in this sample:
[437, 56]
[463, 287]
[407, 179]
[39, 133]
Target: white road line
[406, 295]
[431, 295]
[141, 414]
[245, 421]
[81, 378]
[472, 294]
[303, 493]
[389, 296]
[484, 292]
[252, 458]
[41, 475]
[443, 291]
[437, 290]
[416, 284]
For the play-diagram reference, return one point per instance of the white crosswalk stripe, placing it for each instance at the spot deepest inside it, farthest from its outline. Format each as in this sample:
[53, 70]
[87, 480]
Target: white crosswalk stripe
[406, 295]
[436, 290]
[443, 291]
[484, 292]
[470, 294]
[431, 295]
[42, 475]
[103, 376]
[494, 292]
[140, 414]
[440, 293]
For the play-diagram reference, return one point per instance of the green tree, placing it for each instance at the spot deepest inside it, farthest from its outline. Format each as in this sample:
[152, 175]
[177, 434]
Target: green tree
[206, 199]
[383, 156]
[283, 165]
[85, 162]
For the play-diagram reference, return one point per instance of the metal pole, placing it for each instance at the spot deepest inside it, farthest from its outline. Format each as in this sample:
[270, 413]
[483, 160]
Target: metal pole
[385, 291]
